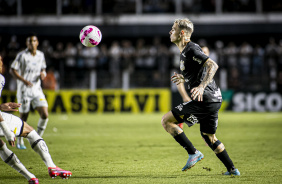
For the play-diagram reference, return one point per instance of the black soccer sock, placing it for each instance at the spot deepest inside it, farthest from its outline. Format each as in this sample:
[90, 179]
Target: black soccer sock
[185, 143]
[225, 159]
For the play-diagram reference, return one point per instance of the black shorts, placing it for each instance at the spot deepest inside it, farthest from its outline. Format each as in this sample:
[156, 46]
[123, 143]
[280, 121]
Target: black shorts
[204, 113]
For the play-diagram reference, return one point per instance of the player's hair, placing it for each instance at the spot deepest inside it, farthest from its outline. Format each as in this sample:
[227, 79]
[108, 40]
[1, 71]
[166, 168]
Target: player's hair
[186, 25]
[31, 34]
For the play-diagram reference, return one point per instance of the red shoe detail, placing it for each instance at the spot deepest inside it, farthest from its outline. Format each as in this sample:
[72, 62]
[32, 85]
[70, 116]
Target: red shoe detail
[33, 181]
[56, 171]
[180, 125]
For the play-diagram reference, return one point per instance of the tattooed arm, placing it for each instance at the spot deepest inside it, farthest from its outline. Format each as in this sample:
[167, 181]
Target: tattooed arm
[211, 69]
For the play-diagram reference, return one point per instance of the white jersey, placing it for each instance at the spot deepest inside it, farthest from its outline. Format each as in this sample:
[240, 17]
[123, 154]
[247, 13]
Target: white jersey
[29, 67]
[2, 83]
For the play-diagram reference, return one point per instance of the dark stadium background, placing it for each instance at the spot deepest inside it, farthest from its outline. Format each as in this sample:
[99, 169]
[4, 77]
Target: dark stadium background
[218, 23]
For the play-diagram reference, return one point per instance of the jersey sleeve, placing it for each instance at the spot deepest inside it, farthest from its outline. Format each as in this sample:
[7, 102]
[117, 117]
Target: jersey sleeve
[16, 63]
[199, 56]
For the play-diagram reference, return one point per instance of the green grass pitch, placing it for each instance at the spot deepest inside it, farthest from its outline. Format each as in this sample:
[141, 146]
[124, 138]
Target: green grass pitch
[134, 148]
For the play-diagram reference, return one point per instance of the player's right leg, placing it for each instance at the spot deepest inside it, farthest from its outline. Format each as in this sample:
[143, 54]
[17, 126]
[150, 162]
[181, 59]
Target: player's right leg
[170, 125]
[221, 153]
[11, 159]
[40, 147]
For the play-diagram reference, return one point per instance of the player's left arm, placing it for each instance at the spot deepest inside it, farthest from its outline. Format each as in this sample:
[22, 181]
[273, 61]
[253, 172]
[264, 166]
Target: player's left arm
[179, 80]
[211, 67]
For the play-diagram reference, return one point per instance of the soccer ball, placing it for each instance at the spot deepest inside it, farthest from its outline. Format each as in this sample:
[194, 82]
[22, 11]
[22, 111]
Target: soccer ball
[90, 36]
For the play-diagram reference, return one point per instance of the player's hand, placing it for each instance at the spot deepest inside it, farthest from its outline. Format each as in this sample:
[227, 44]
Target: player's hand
[10, 137]
[13, 143]
[10, 106]
[177, 78]
[197, 92]
[27, 83]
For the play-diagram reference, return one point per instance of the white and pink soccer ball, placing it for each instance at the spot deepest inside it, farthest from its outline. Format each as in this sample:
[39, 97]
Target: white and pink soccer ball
[90, 36]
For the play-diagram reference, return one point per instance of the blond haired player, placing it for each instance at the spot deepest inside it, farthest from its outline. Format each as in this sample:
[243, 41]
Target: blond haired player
[12, 126]
[196, 82]
[29, 69]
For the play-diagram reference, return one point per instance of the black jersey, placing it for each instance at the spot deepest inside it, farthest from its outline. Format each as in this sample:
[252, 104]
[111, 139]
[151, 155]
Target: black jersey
[192, 59]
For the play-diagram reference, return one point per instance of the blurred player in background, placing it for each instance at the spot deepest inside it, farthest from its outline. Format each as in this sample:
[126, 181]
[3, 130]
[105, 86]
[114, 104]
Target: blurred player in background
[207, 52]
[11, 126]
[197, 72]
[29, 69]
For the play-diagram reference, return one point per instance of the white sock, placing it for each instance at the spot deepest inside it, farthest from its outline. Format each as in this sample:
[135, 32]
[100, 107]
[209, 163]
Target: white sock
[20, 140]
[12, 160]
[41, 126]
[40, 147]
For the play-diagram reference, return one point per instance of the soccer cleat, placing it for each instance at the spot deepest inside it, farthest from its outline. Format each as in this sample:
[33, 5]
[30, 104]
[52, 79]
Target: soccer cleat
[56, 171]
[192, 160]
[21, 146]
[180, 125]
[234, 172]
[33, 181]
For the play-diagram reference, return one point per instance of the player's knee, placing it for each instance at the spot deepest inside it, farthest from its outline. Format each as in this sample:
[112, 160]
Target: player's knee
[164, 121]
[44, 115]
[213, 142]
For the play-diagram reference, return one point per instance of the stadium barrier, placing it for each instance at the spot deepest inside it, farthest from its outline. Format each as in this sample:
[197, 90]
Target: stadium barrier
[146, 101]
[104, 101]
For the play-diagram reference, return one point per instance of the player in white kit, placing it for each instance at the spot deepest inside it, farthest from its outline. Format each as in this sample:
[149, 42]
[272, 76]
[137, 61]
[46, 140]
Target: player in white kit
[11, 126]
[29, 69]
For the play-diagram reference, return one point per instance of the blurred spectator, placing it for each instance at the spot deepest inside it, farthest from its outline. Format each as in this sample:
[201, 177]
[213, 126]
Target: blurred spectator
[141, 52]
[127, 54]
[50, 81]
[103, 57]
[151, 57]
[258, 60]
[47, 49]
[114, 65]
[234, 81]
[59, 56]
[13, 48]
[174, 53]
[271, 51]
[245, 54]
[70, 63]
[163, 65]
[90, 55]
[219, 54]
[230, 53]
[70, 54]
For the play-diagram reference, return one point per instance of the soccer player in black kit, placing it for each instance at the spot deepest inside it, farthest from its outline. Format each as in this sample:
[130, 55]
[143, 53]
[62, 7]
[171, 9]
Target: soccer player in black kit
[196, 82]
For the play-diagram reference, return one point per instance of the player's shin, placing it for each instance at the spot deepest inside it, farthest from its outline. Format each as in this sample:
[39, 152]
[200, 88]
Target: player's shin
[40, 147]
[182, 139]
[11, 159]
[42, 124]
[219, 151]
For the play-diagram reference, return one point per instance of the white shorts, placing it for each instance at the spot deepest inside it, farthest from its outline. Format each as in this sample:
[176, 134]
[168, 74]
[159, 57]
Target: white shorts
[35, 98]
[15, 124]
